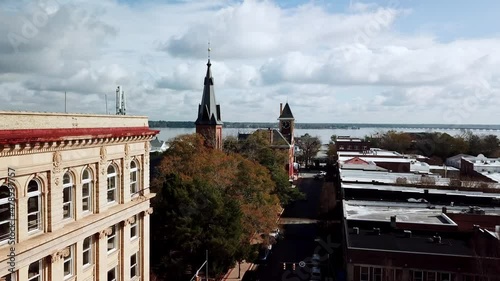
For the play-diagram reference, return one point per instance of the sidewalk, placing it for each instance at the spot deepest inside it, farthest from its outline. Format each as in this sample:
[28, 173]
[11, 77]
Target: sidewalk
[232, 274]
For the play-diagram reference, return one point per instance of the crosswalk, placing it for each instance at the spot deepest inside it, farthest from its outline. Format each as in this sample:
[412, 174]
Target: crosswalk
[297, 221]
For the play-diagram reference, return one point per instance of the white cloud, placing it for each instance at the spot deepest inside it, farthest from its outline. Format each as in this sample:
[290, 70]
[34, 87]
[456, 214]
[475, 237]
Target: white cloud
[330, 66]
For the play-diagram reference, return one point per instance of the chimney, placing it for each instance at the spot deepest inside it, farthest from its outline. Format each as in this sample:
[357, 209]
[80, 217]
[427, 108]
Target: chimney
[393, 221]
[355, 230]
[476, 227]
[437, 239]
[270, 135]
[444, 210]
[281, 108]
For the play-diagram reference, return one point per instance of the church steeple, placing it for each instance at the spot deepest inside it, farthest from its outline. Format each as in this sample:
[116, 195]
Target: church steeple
[209, 122]
[208, 110]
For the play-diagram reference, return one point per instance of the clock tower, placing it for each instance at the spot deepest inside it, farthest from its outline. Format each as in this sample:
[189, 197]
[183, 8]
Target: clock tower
[286, 122]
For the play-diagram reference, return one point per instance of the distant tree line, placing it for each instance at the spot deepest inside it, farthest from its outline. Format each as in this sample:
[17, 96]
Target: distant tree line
[257, 125]
[438, 145]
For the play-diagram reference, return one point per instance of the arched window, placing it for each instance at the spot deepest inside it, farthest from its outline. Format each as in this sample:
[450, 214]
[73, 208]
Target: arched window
[34, 206]
[68, 196]
[7, 211]
[112, 184]
[134, 176]
[87, 186]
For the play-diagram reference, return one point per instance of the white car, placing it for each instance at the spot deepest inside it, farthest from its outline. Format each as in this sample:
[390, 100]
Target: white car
[275, 233]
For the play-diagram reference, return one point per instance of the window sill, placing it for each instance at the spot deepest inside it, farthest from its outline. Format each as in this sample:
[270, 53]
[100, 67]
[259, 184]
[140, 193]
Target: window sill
[88, 266]
[110, 252]
[70, 278]
[34, 232]
[134, 238]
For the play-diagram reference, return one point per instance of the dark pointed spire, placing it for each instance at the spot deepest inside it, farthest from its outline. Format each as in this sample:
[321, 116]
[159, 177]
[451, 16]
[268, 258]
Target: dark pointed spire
[208, 110]
[286, 113]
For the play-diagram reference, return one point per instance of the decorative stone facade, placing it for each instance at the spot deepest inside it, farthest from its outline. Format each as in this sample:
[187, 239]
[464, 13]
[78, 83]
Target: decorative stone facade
[80, 193]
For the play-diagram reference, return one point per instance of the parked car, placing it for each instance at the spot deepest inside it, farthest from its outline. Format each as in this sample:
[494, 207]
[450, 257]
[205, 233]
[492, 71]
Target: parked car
[276, 234]
[320, 175]
[315, 260]
[315, 273]
[264, 254]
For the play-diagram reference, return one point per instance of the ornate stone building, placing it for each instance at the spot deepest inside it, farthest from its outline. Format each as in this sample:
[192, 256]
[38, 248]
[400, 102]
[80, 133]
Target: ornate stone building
[74, 197]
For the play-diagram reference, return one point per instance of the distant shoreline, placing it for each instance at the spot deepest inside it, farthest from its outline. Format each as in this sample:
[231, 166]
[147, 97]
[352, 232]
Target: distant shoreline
[353, 126]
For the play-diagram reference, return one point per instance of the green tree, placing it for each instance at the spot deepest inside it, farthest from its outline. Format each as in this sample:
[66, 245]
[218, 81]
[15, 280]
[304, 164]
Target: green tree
[208, 199]
[257, 147]
[309, 146]
[397, 141]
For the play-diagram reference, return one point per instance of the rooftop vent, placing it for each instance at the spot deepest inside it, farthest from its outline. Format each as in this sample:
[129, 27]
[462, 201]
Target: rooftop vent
[355, 230]
[393, 221]
[436, 239]
[407, 233]
[376, 231]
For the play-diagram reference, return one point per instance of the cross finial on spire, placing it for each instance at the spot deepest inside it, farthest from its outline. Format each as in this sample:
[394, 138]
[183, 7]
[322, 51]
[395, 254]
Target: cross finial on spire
[209, 50]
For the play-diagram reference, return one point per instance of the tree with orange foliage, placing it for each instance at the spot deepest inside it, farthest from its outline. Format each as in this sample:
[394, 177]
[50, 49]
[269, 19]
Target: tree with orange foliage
[208, 199]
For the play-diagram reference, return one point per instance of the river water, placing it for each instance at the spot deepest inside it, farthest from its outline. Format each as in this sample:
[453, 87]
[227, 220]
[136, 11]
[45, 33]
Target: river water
[323, 134]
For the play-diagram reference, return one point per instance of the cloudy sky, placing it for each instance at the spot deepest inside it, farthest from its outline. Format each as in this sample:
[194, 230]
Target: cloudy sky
[380, 61]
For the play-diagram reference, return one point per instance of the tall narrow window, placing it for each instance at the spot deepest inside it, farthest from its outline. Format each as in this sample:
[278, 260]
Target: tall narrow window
[112, 274]
[34, 206]
[418, 276]
[112, 239]
[8, 277]
[364, 273]
[68, 195]
[5, 211]
[87, 185]
[87, 251]
[431, 276]
[112, 182]
[134, 186]
[134, 231]
[68, 263]
[134, 266]
[35, 271]
[445, 276]
[377, 274]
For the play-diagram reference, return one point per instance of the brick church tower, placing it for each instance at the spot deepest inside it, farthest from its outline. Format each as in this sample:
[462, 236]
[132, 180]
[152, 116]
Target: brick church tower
[209, 123]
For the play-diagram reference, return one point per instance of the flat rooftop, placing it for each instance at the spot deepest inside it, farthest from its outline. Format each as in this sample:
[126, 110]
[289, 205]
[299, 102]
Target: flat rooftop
[417, 243]
[371, 153]
[42, 127]
[377, 159]
[383, 211]
[18, 120]
[384, 177]
[405, 212]
[421, 190]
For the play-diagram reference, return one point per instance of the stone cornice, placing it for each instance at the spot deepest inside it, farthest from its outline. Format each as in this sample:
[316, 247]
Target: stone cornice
[53, 146]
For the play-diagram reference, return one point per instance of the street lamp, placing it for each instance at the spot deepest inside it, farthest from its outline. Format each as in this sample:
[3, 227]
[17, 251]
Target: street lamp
[239, 269]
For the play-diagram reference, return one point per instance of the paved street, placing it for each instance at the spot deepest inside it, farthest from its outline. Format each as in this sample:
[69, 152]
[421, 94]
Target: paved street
[300, 232]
